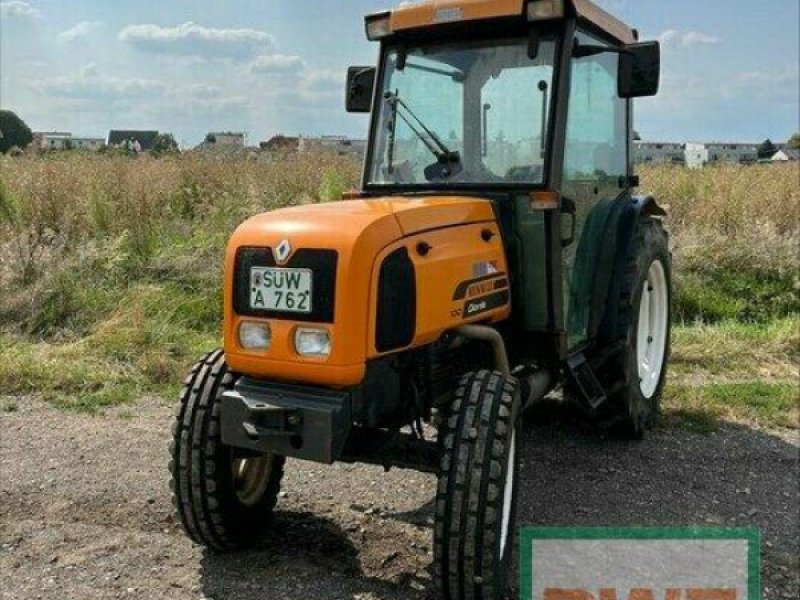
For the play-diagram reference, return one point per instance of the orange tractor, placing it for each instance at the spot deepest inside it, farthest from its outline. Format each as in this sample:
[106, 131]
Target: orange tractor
[494, 252]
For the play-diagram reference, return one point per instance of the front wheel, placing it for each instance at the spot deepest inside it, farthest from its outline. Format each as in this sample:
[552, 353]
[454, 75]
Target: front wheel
[224, 499]
[476, 495]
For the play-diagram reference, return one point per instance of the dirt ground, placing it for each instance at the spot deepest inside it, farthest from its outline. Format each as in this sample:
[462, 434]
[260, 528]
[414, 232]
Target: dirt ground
[86, 511]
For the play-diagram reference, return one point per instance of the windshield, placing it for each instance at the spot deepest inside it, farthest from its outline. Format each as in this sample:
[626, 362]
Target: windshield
[463, 114]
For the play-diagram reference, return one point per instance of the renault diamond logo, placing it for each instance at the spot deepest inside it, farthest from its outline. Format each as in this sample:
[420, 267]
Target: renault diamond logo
[283, 252]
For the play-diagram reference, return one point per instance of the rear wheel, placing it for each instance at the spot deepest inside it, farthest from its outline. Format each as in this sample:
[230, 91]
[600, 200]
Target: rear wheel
[638, 374]
[476, 495]
[224, 499]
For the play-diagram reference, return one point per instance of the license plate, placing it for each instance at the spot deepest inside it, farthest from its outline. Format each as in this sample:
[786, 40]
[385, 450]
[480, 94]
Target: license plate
[285, 290]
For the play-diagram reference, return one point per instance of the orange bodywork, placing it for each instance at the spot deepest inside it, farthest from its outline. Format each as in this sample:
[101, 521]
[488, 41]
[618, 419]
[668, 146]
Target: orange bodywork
[437, 12]
[414, 16]
[363, 232]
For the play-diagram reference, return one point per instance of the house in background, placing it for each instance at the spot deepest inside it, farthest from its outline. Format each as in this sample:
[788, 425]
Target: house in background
[63, 140]
[786, 155]
[223, 140]
[332, 143]
[701, 154]
[280, 143]
[659, 153]
[87, 143]
[50, 140]
[118, 138]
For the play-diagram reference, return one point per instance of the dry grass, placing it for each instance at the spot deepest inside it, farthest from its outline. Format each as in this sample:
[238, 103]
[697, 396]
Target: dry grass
[735, 237]
[110, 266]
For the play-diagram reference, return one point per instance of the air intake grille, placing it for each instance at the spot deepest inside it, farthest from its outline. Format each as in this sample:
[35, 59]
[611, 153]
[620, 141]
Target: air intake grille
[397, 302]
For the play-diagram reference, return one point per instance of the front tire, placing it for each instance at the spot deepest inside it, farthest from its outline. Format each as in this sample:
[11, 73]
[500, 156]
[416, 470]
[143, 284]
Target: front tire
[224, 499]
[476, 495]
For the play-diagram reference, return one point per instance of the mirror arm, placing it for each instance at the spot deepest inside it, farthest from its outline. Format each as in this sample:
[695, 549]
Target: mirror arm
[586, 50]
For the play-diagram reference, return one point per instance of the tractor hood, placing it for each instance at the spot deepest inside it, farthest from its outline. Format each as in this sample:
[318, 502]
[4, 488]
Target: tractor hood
[342, 244]
[339, 225]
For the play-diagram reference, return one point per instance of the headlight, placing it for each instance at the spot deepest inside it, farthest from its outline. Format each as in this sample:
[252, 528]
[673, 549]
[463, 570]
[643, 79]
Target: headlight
[312, 342]
[255, 335]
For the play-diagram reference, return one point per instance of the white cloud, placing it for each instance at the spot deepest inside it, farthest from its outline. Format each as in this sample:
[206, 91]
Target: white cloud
[672, 37]
[694, 38]
[222, 106]
[198, 90]
[81, 30]
[669, 36]
[324, 81]
[190, 39]
[17, 8]
[277, 64]
[90, 84]
[202, 98]
[702, 95]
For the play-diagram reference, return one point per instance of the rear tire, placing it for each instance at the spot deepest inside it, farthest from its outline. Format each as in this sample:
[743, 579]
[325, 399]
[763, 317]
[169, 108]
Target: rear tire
[476, 495]
[223, 499]
[637, 376]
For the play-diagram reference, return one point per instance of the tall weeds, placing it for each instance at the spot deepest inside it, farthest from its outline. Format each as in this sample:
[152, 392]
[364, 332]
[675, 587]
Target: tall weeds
[83, 236]
[736, 239]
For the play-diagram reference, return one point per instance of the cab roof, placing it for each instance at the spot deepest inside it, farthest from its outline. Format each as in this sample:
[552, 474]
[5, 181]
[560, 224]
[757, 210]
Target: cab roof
[437, 12]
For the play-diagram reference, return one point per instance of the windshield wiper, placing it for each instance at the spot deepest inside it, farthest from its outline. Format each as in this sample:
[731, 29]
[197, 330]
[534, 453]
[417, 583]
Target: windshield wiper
[448, 162]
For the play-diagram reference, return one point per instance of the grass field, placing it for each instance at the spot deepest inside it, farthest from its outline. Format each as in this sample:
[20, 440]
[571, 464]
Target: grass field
[110, 274]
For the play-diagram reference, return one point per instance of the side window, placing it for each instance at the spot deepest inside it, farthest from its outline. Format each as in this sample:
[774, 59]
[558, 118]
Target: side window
[596, 143]
[595, 157]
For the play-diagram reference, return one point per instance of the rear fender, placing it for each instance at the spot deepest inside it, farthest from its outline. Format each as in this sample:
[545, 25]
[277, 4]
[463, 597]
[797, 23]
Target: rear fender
[606, 328]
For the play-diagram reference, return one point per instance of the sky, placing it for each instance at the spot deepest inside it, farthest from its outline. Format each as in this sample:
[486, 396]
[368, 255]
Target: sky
[730, 67]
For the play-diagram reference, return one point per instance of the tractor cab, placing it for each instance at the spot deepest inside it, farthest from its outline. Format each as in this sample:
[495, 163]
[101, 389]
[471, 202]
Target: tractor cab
[494, 252]
[524, 103]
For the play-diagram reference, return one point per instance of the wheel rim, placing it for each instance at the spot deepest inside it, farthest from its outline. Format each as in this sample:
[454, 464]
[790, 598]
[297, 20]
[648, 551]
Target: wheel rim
[651, 337]
[250, 478]
[508, 496]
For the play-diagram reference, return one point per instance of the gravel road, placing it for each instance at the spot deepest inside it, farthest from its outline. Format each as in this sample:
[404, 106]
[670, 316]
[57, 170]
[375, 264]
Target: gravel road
[86, 513]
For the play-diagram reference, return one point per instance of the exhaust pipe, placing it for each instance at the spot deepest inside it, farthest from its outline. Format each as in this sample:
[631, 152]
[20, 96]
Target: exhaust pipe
[537, 384]
[490, 335]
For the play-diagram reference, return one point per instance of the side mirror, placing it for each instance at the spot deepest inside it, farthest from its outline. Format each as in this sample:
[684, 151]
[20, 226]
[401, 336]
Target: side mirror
[360, 88]
[639, 70]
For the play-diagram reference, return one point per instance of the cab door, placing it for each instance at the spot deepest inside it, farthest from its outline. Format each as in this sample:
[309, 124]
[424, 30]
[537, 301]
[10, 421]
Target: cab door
[595, 170]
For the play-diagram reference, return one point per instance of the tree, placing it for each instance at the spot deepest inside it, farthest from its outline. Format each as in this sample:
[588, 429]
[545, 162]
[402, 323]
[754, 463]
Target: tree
[794, 142]
[767, 149]
[164, 143]
[13, 132]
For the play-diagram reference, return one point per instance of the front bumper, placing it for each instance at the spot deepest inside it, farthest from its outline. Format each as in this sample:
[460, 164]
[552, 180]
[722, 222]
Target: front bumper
[290, 420]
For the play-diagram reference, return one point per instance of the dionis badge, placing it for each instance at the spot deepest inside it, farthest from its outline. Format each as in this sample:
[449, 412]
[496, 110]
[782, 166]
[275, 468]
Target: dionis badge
[639, 564]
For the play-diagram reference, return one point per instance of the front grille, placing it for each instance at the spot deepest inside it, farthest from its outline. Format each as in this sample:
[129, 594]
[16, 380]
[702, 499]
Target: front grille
[322, 264]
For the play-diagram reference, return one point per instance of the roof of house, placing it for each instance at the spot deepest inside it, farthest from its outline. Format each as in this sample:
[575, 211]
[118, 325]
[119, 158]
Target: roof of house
[53, 133]
[739, 145]
[281, 142]
[790, 153]
[649, 143]
[146, 139]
